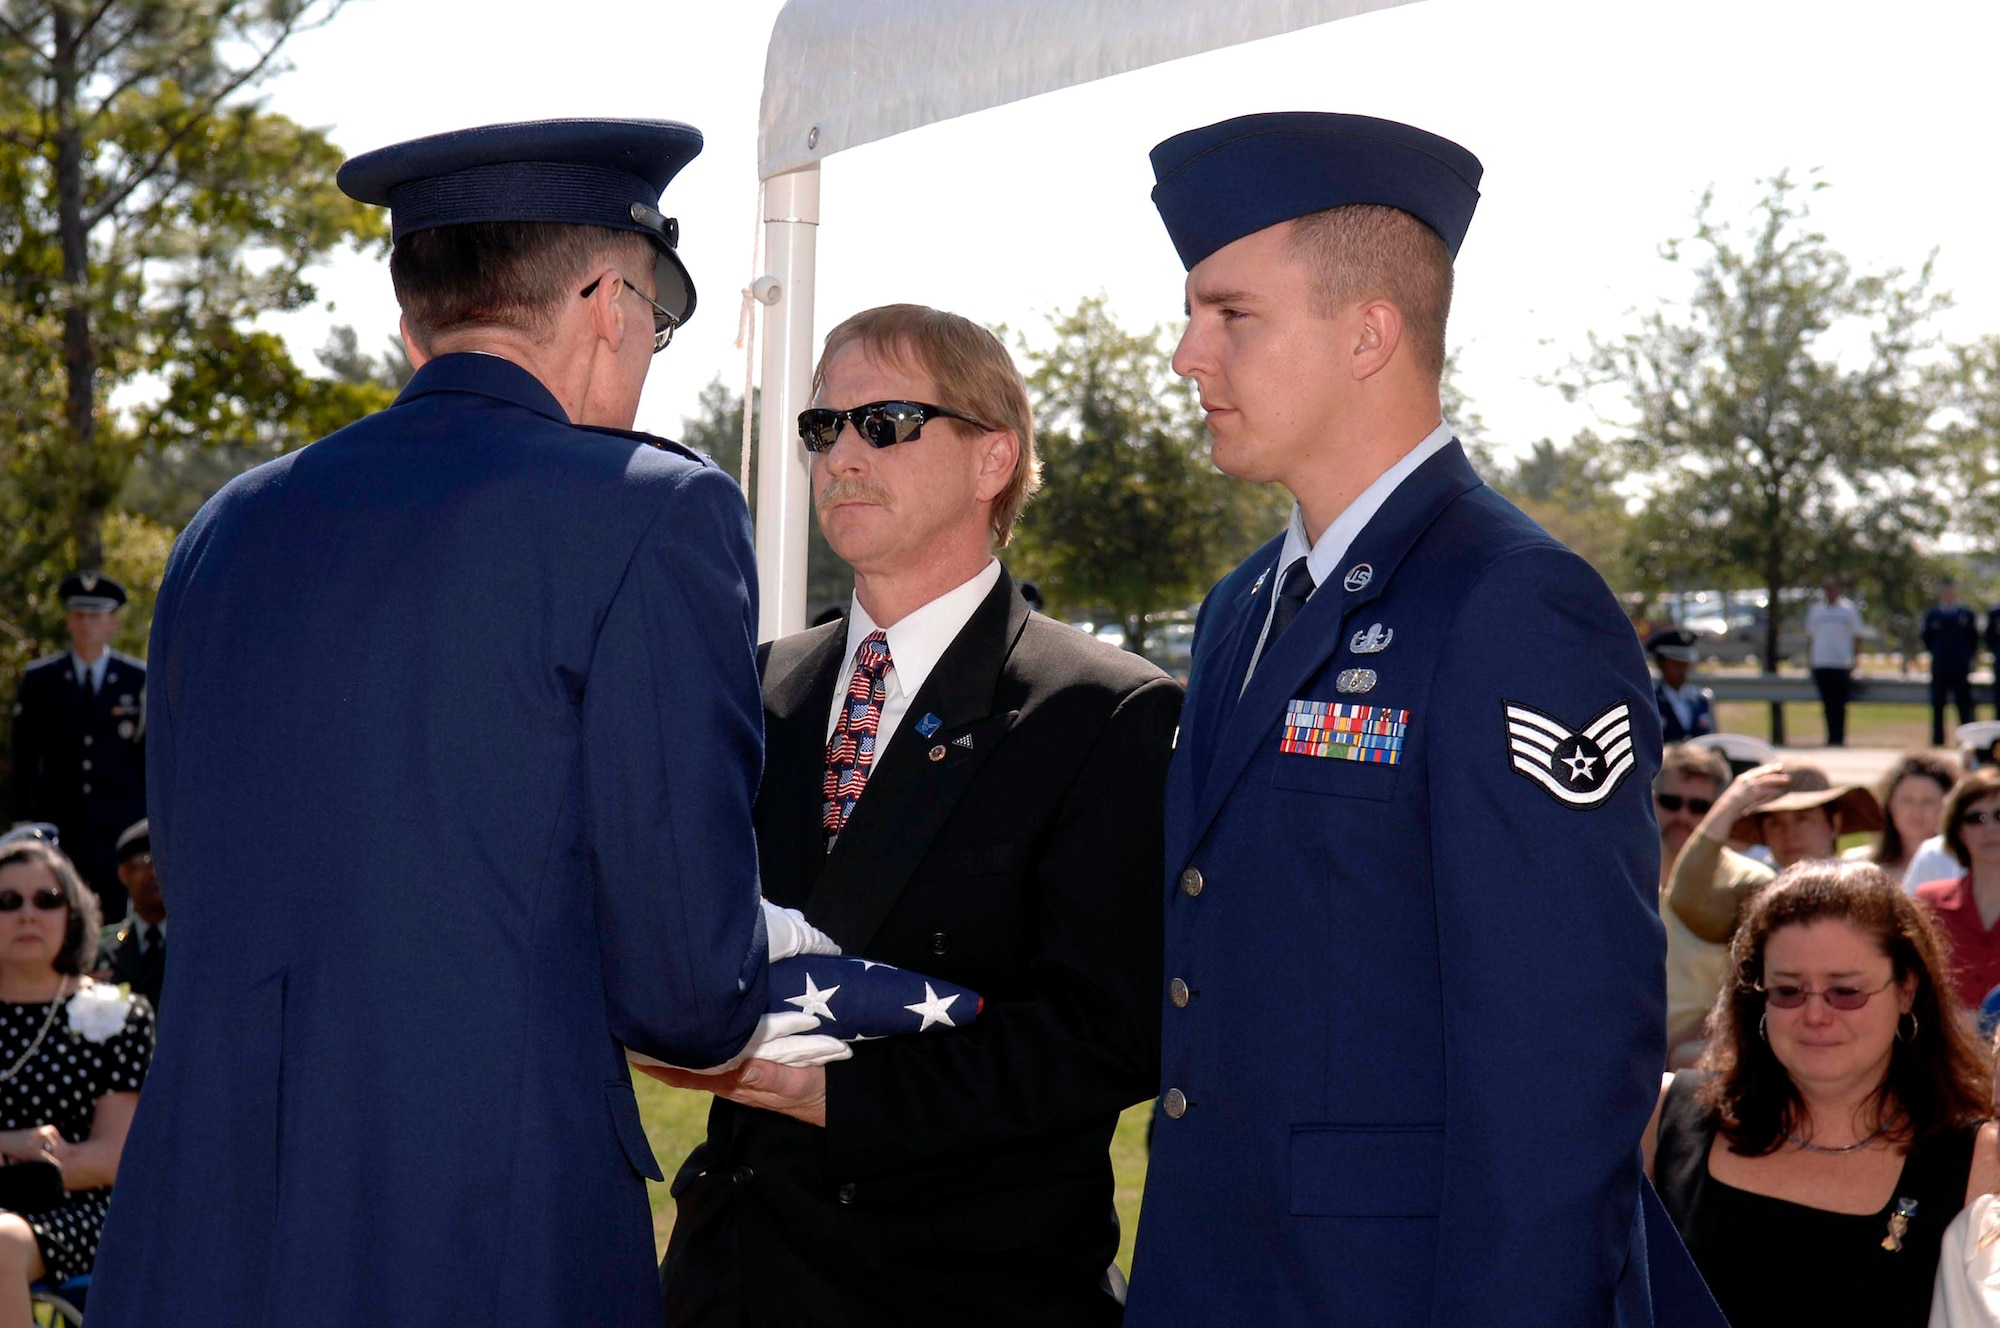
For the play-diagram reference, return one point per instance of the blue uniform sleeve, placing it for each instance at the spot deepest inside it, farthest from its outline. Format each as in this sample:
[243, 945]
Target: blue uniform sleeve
[1551, 950]
[673, 749]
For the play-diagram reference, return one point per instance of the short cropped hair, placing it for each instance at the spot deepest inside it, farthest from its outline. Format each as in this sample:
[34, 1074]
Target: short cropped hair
[1688, 761]
[501, 274]
[1366, 251]
[1981, 783]
[86, 918]
[974, 376]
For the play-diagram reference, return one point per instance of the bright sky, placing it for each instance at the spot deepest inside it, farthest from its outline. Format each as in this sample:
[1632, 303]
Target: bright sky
[1599, 126]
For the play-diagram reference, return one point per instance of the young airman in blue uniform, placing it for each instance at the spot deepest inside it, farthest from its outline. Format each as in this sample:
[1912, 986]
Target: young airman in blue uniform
[1414, 998]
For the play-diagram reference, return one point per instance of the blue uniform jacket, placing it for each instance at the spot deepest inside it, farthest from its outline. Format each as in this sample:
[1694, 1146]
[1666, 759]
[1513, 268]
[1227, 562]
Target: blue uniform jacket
[1415, 1006]
[455, 731]
[1951, 634]
[1701, 718]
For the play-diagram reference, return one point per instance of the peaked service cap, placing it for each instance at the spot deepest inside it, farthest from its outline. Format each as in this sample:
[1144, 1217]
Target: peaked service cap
[90, 592]
[607, 173]
[1224, 181]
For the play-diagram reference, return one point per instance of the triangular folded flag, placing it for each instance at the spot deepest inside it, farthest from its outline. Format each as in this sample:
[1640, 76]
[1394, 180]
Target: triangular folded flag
[857, 998]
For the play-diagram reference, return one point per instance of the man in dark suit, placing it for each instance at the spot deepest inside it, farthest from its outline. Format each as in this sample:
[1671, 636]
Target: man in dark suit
[1951, 635]
[955, 785]
[80, 737]
[1416, 1024]
[454, 740]
[134, 952]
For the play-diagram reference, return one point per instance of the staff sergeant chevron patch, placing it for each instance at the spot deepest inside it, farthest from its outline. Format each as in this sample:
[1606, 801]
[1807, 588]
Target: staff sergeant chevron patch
[1577, 769]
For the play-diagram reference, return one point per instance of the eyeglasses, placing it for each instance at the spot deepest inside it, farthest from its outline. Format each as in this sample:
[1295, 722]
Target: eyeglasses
[882, 423]
[664, 323]
[1979, 818]
[1673, 802]
[48, 901]
[1787, 996]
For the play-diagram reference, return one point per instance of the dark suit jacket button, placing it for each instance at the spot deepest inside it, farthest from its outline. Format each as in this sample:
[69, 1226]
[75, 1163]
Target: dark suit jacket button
[743, 1175]
[846, 1193]
[1177, 992]
[1191, 882]
[939, 943]
[1174, 1103]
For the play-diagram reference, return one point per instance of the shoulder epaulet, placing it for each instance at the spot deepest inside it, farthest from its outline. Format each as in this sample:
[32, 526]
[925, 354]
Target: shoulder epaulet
[649, 439]
[48, 661]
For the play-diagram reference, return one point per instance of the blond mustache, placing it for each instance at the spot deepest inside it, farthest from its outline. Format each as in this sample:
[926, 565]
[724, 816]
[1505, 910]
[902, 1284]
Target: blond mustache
[851, 491]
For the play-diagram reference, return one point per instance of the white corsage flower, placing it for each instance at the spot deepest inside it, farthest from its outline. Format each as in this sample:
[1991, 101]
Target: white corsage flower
[97, 1013]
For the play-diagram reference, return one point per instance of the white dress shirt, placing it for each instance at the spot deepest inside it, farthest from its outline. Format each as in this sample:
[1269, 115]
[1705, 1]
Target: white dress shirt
[91, 675]
[916, 643]
[1834, 628]
[1324, 555]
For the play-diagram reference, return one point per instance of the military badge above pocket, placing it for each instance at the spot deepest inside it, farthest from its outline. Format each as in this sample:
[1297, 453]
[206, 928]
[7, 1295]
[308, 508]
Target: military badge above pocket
[1341, 747]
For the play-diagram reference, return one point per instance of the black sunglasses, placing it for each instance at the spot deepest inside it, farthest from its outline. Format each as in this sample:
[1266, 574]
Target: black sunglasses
[882, 423]
[1673, 802]
[664, 323]
[1978, 818]
[48, 901]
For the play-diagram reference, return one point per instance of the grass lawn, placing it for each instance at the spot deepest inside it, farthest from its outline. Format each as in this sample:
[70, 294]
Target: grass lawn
[676, 1120]
[1876, 724]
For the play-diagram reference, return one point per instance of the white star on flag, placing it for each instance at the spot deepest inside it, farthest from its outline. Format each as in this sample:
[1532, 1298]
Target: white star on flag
[933, 1009]
[815, 1001]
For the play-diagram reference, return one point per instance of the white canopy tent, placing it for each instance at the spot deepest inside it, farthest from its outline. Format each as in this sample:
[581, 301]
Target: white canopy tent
[841, 73]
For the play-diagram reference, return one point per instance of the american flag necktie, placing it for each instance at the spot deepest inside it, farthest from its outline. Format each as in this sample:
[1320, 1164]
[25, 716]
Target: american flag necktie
[850, 753]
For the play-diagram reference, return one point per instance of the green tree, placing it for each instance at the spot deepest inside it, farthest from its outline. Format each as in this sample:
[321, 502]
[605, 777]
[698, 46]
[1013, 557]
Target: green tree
[1780, 422]
[1569, 492]
[1133, 517]
[716, 430]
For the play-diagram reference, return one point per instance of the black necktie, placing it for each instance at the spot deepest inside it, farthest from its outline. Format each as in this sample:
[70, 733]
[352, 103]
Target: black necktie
[1294, 589]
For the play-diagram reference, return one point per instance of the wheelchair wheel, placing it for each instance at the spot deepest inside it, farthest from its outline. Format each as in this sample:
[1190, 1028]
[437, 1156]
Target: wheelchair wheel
[50, 1310]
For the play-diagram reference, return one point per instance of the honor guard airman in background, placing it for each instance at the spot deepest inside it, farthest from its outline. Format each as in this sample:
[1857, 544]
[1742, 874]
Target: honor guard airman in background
[1413, 1000]
[455, 729]
[1686, 709]
[80, 737]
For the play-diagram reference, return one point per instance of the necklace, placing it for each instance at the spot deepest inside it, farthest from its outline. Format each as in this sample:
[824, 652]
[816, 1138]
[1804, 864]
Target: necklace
[1812, 1147]
[62, 992]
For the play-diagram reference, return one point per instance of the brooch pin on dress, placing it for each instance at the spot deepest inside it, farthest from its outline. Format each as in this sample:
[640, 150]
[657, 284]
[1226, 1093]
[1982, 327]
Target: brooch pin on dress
[1899, 1224]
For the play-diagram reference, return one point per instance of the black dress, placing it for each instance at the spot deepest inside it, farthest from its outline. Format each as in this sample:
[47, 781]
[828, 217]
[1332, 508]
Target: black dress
[1777, 1263]
[59, 1085]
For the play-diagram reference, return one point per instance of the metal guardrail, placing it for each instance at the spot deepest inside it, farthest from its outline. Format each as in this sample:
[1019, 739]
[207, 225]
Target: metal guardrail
[1799, 687]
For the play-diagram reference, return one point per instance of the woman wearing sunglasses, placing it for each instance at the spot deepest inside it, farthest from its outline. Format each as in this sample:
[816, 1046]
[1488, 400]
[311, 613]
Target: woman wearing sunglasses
[1912, 798]
[1968, 906]
[72, 1057]
[1833, 1130]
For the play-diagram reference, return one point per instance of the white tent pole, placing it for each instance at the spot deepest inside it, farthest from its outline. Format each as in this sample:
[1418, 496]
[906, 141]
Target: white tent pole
[784, 480]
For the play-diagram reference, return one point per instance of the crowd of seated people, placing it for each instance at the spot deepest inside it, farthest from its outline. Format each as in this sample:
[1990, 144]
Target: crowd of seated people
[73, 1056]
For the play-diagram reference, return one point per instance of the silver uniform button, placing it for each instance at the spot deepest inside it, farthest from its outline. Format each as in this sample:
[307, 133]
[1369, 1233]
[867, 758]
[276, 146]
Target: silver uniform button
[86, 763]
[86, 788]
[87, 740]
[1191, 882]
[1177, 992]
[1174, 1103]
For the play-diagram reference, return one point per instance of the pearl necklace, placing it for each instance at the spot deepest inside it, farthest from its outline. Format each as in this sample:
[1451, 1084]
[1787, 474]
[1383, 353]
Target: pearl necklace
[1812, 1147]
[62, 994]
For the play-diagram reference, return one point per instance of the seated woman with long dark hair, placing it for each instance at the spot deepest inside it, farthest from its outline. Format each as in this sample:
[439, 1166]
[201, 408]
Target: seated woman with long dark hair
[72, 1056]
[1833, 1129]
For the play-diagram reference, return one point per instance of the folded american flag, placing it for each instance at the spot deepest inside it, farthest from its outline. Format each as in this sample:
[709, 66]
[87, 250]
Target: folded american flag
[857, 999]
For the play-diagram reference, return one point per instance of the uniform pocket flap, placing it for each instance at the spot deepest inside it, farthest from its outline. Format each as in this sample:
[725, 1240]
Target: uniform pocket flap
[624, 1104]
[1367, 1170]
[1335, 777]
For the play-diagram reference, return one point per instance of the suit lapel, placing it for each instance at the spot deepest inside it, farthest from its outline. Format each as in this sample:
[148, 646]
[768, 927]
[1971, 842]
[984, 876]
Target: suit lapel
[1315, 635]
[799, 677]
[909, 794]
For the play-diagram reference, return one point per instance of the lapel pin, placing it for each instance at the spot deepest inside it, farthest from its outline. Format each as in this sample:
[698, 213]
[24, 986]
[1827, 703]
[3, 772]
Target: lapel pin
[1262, 577]
[929, 724]
[1355, 680]
[1899, 1224]
[1358, 576]
[937, 752]
[1373, 641]
[963, 740]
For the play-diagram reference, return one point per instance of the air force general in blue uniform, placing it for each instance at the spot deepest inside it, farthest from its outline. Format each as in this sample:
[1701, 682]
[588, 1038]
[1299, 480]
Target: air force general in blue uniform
[455, 730]
[1414, 1004]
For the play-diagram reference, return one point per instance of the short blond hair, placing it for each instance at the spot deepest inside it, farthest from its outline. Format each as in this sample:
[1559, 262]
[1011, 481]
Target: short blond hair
[974, 376]
[1367, 251]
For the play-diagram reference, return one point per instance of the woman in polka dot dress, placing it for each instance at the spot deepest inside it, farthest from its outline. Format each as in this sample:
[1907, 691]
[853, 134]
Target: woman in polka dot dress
[72, 1057]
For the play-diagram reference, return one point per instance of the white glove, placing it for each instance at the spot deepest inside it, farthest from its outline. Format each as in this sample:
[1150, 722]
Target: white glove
[804, 1049]
[791, 935]
[779, 1030]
